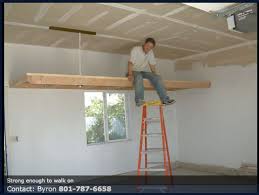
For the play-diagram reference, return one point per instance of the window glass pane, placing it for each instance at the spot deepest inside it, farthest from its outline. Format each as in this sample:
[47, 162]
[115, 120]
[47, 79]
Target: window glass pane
[94, 117]
[116, 116]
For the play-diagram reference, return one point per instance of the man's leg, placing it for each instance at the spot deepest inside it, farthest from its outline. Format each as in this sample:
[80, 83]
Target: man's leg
[158, 84]
[139, 88]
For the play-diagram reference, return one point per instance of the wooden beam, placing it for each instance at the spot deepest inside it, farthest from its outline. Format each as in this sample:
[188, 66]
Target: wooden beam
[62, 81]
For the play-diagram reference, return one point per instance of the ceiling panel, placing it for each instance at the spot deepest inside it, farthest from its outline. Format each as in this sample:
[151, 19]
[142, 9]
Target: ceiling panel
[171, 30]
[57, 15]
[26, 35]
[34, 36]
[170, 53]
[195, 16]
[22, 12]
[95, 17]
[107, 45]
[237, 56]
[156, 8]
[209, 20]
[201, 40]
[181, 42]
[124, 28]
[147, 26]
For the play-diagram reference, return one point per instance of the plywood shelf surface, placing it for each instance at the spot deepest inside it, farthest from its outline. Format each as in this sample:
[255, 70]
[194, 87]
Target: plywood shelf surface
[64, 81]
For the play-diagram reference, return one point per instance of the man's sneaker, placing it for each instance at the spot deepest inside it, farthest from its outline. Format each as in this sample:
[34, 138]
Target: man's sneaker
[140, 103]
[169, 102]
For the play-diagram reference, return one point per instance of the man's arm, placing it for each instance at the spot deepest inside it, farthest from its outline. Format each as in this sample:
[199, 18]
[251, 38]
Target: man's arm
[130, 65]
[152, 63]
[153, 68]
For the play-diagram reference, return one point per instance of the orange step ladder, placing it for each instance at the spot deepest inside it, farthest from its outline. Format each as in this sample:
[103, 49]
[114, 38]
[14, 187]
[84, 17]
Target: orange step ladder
[143, 146]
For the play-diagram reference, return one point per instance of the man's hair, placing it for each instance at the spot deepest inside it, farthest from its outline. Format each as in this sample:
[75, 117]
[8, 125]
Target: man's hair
[151, 40]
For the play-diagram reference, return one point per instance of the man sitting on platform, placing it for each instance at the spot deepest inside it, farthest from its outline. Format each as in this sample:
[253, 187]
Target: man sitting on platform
[142, 65]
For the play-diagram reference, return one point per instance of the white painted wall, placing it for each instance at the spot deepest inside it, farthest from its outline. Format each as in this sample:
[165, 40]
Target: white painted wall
[20, 59]
[50, 123]
[218, 126]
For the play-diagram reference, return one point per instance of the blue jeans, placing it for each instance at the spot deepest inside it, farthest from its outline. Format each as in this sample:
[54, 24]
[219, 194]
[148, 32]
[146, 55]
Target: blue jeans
[154, 79]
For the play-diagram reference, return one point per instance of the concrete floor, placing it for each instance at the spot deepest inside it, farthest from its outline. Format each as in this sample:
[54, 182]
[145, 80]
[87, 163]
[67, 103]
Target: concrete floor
[176, 171]
[185, 171]
[187, 188]
[191, 169]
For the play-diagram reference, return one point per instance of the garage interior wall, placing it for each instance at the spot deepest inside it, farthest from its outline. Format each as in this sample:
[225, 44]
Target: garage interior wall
[218, 125]
[214, 126]
[50, 124]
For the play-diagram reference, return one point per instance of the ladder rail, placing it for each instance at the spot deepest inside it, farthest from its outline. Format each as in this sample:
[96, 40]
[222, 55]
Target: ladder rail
[163, 142]
[141, 139]
[145, 132]
[165, 138]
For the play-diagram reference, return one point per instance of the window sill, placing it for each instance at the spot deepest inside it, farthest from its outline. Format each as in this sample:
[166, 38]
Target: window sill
[109, 142]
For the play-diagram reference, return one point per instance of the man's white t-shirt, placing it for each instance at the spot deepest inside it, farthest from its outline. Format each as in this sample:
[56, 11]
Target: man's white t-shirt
[141, 60]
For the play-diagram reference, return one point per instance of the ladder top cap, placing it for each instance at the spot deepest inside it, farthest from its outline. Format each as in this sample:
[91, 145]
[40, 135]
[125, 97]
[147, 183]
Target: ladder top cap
[153, 103]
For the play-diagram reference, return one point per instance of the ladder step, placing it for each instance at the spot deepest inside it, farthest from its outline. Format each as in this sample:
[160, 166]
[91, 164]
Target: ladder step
[153, 134]
[152, 119]
[152, 169]
[153, 103]
[155, 163]
[152, 150]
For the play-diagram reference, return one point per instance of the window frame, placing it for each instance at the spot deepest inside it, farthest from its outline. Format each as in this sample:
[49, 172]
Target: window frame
[105, 116]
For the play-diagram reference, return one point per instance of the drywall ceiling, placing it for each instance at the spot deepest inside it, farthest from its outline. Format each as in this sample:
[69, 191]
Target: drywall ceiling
[210, 7]
[180, 30]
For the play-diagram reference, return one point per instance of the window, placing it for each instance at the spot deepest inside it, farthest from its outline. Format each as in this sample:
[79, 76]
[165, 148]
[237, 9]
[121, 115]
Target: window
[105, 117]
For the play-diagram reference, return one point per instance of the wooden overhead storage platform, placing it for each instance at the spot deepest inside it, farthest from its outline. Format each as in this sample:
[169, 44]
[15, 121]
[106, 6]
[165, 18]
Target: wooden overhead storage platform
[62, 81]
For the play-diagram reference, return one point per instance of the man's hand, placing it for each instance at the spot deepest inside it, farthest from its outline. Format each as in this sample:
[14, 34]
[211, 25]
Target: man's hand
[130, 65]
[130, 77]
[153, 69]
